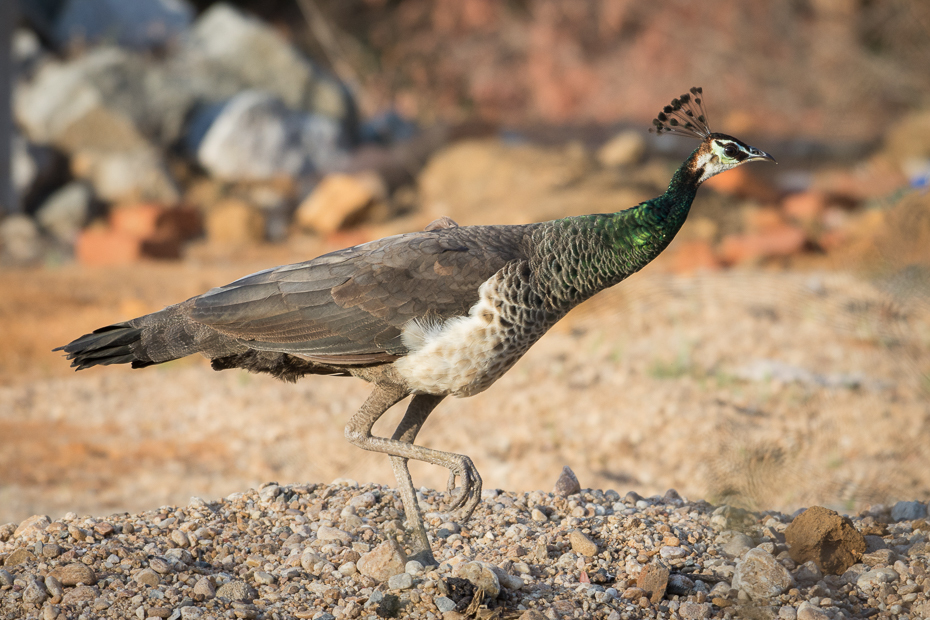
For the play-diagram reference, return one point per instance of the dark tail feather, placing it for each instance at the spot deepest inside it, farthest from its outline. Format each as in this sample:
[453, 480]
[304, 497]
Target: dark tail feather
[114, 344]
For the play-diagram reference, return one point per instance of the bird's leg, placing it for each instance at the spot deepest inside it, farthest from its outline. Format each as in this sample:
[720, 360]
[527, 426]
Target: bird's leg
[358, 432]
[419, 409]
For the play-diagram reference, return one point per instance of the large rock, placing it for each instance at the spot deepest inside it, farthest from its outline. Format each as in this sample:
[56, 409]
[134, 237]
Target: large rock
[760, 575]
[242, 52]
[139, 24]
[653, 580]
[339, 201]
[825, 537]
[255, 136]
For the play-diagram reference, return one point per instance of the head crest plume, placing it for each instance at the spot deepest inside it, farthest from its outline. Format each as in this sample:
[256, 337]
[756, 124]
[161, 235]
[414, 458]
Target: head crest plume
[685, 116]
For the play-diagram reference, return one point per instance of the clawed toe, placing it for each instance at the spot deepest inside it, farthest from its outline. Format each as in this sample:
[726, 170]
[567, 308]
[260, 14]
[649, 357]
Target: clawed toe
[464, 502]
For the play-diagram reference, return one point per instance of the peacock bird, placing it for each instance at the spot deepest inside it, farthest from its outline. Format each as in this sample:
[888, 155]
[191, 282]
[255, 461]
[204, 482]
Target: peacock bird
[441, 312]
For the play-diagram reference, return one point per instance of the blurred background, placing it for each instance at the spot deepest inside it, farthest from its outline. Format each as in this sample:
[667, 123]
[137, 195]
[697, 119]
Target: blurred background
[777, 355]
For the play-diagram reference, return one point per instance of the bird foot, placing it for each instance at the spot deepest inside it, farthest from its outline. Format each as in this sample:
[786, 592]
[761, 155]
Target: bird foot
[464, 502]
[424, 557]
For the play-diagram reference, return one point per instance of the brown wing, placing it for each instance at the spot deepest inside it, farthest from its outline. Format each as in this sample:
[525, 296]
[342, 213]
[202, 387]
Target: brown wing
[351, 305]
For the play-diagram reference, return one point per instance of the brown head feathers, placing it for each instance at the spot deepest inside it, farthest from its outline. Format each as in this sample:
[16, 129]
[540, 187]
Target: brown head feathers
[685, 116]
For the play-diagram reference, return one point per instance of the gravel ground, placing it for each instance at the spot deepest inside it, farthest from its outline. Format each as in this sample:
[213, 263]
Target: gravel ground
[325, 551]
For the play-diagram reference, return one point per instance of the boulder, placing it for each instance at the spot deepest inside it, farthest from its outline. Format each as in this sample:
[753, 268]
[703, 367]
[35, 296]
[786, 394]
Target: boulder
[825, 537]
[140, 24]
[255, 136]
[245, 53]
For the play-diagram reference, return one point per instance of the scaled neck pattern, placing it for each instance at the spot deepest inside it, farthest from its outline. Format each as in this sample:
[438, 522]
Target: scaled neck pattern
[577, 257]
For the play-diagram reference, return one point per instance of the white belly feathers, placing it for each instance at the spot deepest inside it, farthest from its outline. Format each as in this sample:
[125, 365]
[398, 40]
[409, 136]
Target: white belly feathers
[463, 355]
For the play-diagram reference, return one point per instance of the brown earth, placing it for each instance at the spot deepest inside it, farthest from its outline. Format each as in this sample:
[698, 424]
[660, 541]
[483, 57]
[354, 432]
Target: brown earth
[764, 388]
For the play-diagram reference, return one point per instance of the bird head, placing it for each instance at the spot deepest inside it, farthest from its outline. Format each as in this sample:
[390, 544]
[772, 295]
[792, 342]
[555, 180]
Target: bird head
[685, 116]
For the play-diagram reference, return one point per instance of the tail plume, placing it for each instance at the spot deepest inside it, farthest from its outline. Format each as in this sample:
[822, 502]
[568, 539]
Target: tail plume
[114, 344]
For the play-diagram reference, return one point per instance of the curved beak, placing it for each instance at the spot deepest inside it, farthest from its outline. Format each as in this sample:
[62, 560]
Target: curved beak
[755, 154]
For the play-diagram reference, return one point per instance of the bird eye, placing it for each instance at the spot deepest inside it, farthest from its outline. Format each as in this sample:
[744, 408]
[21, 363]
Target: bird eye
[729, 150]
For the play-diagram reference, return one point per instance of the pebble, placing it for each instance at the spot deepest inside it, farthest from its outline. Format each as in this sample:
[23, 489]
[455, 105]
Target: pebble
[538, 515]
[653, 580]
[244, 541]
[481, 576]
[401, 581]
[19, 556]
[567, 484]
[581, 544]
[908, 511]
[734, 543]
[383, 561]
[806, 611]
[74, 573]
[760, 575]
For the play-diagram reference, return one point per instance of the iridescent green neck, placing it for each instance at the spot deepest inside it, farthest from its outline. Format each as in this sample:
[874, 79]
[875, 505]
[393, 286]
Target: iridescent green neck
[576, 257]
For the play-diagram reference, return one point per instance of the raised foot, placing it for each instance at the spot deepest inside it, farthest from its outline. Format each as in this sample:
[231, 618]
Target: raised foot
[468, 497]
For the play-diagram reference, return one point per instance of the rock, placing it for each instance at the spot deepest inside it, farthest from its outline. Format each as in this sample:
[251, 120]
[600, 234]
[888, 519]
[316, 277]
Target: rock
[633, 594]
[180, 538]
[340, 201]
[80, 594]
[191, 613]
[826, 538]
[653, 580]
[875, 577]
[6, 577]
[581, 544]
[444, 603]
[50, 612]
[19, 556]
[159, 612]
[480, 575]
[127, 176]
[679, 584]
[55, 588]
[806, 611]
[567, 484]
[264, 578]
[808, 573]
[760, 575]
[624, 149]
[75, 573]
[140, 24]
[205, 588]
[694, 611]
[908, 511]
[332, 533]
[382, 562]
[147, 577]
[19, 239]
[401, 581]
[248, 53]
[35, 593]
[669, 552]
[235, 222]
[787, 612]
[159, 565]
[237, 590]
[507, 580]
[35, 523]
[254, 137]
[733, 543]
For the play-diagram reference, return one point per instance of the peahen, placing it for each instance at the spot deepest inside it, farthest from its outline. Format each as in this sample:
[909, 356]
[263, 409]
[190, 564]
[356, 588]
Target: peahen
[446, 311]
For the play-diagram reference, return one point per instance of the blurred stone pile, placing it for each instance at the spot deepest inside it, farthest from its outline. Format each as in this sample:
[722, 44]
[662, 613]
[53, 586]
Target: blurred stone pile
[143, 126]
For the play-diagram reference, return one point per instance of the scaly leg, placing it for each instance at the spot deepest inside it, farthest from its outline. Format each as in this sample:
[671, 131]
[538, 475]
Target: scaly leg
[419, 409]
[358, 432]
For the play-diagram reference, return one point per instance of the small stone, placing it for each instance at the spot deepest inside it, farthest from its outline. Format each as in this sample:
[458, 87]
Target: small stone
[507, 580]
[159, 612]
[33, 523]
[80, 594]
[481, 576]
[760, 575]
[733, 543]
[20, 239]
[444, 603]
[75, 573]
[383, 561]
[159, 565]
[237, 591]
[54, 587]
[264, 578]
[147, 577]
[51, 550]
[340, 201]
[672, 553]
[104, 529]
[413, 567]
[348, 568]
[205, 588]
[19, 556]
[50, 612]
[581, 544]
[679, 584]
[908, 511]
[538, 515]
[806, 611]
[6, 577]
[180, 538]
[875, 577]
[363, 500]
[35, 593]
[823, 536]
[401, 581]
[332, 533]
[6, 531]
[633, 594]
[191, 613]
[808, 573]
[787, 612]
[653, 580]
[567, 484]
[694, 611]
